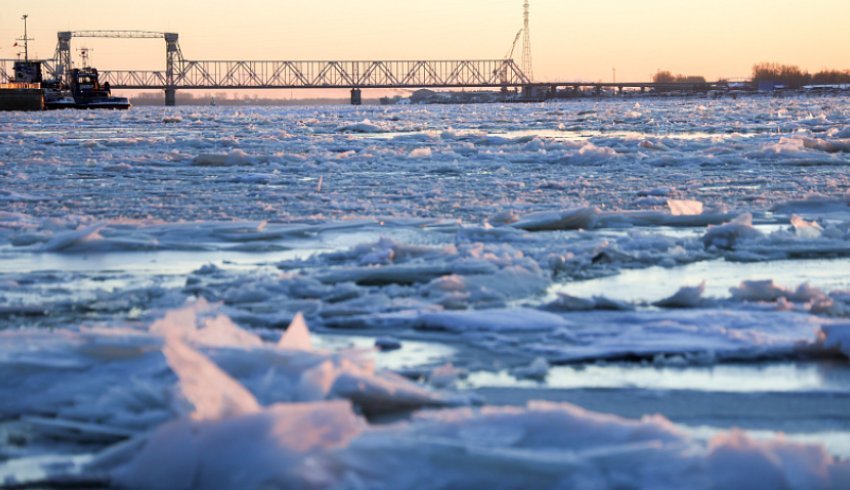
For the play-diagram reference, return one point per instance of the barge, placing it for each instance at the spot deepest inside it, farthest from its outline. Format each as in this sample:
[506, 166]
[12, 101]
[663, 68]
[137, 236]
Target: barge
[23, 92]
[21, 97]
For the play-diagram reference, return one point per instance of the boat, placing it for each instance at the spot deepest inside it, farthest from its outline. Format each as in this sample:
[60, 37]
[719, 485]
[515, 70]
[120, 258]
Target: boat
[28, 91]
[21, 97]
[89, 93]
[42, 94]
[23, 92]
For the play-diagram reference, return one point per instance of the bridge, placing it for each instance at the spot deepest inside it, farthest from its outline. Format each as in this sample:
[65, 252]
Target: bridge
[184, 74]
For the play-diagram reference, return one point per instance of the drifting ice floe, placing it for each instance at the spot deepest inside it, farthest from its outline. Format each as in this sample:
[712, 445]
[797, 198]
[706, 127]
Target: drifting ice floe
[365, 126]
[574, 219]
[235, 157]
[513, 320]
[730, 235]
[687, 297]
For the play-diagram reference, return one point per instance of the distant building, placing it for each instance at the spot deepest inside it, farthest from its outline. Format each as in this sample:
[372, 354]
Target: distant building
[423, 96]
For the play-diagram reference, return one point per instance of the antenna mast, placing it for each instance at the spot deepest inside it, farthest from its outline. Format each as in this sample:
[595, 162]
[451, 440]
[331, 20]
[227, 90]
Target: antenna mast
[84, 54]
[527, 66]
[26, 39]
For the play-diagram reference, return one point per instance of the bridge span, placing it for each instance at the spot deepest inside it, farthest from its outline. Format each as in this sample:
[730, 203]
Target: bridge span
[185, 74]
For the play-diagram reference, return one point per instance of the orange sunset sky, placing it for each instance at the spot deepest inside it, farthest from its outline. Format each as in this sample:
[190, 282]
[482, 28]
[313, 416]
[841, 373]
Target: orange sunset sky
[572, 40]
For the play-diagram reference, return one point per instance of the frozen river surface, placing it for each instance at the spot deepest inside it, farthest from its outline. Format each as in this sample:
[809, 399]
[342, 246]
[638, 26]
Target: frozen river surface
[682, 265]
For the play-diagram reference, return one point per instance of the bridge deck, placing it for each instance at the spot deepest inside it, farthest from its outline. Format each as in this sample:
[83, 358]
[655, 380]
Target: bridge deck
[199, 75]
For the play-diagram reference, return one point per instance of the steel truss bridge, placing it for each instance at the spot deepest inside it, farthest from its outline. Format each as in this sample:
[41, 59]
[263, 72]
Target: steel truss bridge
[181, 73]
[324, 74]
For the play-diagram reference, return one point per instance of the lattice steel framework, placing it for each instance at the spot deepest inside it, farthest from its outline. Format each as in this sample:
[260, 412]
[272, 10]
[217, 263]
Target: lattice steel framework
[527, 63]
[6, 71]
[230, 70]
[181, 73]
[173, 56]
[324, 74]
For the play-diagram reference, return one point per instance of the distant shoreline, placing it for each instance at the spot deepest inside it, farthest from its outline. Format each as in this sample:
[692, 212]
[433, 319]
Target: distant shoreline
[451, 98]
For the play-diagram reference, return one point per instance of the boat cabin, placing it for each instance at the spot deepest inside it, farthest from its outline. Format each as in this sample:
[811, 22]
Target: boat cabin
[86, 83]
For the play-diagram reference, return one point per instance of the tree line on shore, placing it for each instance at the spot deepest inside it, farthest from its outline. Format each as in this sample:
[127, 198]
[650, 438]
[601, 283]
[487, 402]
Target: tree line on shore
[665, 76]
[793, 77]
[789, 75]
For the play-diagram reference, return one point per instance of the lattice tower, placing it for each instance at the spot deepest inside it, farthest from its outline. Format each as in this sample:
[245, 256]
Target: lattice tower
[527, 65]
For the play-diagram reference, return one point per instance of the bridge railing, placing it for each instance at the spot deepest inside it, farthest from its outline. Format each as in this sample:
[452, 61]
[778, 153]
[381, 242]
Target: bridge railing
[133, 78]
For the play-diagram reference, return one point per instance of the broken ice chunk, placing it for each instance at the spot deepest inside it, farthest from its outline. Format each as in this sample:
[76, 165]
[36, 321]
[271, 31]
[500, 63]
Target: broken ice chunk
[537, 370]
[213, 394]
[759, 291]
[444, 376]
[687, 297]
[496, 320]
[234, 158]
[806, 229]
[387, 344]
[728, 236]
[572, 219]
[62, 241]
[684, 208]
[297, 336]
[836, 336]
[419, 154]
[566, 302]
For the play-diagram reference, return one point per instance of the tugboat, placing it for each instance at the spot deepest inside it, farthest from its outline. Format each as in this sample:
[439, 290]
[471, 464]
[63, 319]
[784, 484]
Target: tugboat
[88, 92]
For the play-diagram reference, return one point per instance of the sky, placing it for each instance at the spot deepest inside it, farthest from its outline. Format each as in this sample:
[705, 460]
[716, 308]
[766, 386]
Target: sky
[571, 40]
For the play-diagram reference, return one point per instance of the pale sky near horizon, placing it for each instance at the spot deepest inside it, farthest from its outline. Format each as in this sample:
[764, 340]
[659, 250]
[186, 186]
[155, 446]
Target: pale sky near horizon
[571, 40]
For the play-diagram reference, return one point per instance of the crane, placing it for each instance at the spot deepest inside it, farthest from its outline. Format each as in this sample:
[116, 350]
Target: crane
[510, 55]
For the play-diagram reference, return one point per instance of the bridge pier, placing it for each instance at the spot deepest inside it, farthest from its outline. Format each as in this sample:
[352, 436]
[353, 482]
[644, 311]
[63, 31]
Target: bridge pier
[172, 56]
[170, 97]
[356, 96]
